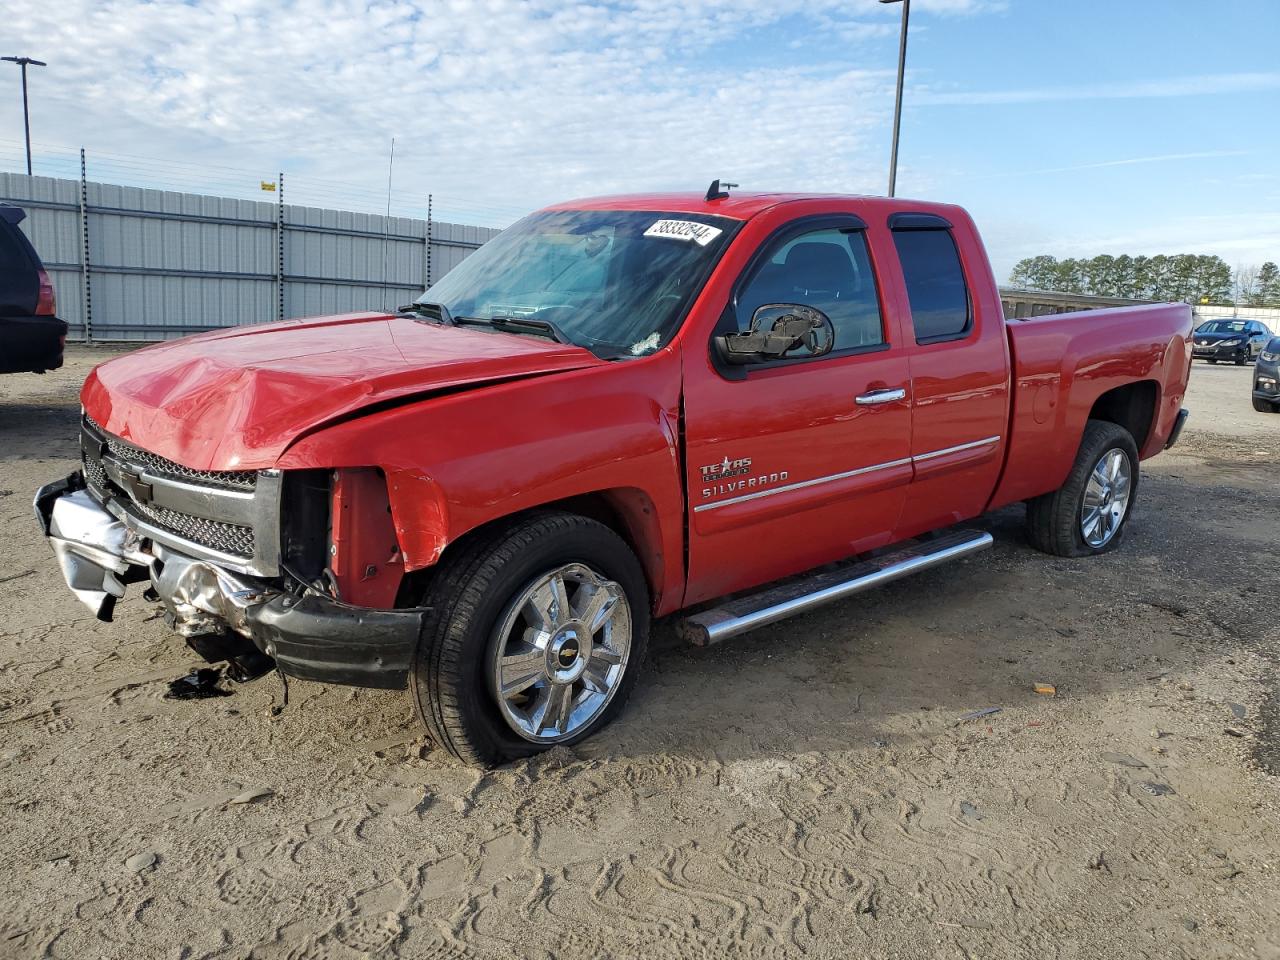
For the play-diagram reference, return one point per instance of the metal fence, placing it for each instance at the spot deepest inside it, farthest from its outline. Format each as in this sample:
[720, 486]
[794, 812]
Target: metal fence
[130, 263]
[1267, 315]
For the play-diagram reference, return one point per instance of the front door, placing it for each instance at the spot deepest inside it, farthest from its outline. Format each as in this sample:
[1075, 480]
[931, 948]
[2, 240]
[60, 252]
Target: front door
[797, 462]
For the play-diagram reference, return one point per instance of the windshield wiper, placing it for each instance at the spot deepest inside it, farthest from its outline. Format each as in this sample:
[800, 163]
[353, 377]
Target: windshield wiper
[507, 324]
[426, 309]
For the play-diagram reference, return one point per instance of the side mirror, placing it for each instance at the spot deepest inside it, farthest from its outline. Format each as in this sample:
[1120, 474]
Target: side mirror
[776, 330]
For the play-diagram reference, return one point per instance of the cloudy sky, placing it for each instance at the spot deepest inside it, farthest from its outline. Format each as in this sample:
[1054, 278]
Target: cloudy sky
[1070, 128]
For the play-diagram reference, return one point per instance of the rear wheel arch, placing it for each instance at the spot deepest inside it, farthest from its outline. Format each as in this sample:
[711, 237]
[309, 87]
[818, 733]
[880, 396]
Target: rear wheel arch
[1132, 406]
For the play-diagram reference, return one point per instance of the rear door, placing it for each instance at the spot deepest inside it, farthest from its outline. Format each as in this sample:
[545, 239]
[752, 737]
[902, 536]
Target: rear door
[959, 363]
[797, 462]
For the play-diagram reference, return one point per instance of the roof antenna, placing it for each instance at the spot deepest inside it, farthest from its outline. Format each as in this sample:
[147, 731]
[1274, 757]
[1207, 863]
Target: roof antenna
[718, 191]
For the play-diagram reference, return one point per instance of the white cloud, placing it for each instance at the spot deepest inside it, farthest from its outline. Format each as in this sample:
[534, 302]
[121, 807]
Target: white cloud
[501, 104]
[1210, 84]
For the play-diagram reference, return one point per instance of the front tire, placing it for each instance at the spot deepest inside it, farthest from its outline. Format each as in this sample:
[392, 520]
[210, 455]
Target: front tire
[1087, 515]
[534, 638]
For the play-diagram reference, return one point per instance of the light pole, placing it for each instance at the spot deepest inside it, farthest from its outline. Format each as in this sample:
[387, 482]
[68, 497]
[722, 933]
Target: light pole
[26, 117]
[897, 102]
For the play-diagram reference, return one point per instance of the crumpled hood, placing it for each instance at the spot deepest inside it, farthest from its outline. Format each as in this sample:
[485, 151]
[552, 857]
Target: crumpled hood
[235, 399]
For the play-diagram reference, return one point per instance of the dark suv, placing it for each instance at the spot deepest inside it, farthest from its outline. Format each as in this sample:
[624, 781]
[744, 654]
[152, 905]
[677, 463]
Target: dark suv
[1266, 378]
[31, 336]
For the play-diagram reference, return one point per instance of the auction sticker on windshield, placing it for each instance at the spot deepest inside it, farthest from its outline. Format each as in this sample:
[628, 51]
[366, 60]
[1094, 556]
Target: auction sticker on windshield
[684, 230]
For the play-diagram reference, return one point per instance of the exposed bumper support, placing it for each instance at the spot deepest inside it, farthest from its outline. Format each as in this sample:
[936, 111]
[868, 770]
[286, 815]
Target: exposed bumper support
[309, 636]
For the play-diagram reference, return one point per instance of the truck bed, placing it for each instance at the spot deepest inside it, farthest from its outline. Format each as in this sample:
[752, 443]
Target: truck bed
[1124, 363]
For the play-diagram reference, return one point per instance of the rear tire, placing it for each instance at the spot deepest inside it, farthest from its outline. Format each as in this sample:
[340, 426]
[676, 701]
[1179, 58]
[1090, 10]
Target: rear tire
[504, 582]
[1060, 522]
[1265, 406]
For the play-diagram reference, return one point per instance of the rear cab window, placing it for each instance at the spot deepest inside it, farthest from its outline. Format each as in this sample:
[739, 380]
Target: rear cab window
[941, 308]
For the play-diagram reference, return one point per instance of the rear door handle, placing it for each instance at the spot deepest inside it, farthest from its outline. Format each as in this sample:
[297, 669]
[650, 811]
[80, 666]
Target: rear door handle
[873, 397]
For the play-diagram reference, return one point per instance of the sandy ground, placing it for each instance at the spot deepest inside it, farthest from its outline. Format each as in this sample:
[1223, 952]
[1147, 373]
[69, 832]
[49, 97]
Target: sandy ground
[805, 790]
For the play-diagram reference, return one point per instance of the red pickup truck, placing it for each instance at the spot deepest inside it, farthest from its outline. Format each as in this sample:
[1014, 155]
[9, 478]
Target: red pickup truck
[617, 409]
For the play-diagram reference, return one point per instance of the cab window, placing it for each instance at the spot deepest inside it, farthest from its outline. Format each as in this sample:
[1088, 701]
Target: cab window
[829, 269]
[936, 289]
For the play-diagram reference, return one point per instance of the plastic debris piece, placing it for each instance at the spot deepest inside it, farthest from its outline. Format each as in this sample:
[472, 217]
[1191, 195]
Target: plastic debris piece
[969, 811]
[197, 685]
[1237, 710]
[975, 714]
[141, 861]
[258, 793]
[1157, 789]
[1124, 760]
[249, 666]
[1048, 689]
[1232, 732]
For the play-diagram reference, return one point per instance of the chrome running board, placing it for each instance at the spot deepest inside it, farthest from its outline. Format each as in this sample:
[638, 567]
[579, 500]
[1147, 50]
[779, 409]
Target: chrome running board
[777, 603]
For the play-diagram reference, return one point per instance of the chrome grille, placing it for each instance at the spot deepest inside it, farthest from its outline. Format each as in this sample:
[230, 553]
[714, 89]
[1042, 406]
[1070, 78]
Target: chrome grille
[94, 475]
[214, 534]
[231, 479]
[233, 515]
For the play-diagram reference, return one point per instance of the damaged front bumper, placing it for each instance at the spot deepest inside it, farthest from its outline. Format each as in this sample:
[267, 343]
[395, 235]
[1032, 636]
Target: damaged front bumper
[309, 635]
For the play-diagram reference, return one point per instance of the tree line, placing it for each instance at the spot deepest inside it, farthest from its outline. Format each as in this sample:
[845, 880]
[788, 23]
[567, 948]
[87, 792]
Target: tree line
[1189, 277]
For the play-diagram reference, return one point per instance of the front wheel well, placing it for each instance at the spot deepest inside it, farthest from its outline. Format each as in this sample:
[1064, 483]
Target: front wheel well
[1132, 406]
[628, 512]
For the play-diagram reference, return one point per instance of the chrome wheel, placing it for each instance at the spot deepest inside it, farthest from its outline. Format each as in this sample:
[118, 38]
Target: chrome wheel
[559, 653]
[1106, 498]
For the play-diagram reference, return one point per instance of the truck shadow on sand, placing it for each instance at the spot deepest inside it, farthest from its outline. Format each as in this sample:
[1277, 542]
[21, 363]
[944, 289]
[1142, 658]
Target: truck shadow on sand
[39, 431]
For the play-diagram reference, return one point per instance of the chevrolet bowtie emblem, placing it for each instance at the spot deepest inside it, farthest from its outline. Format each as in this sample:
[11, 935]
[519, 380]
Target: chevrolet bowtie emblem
[138, 489]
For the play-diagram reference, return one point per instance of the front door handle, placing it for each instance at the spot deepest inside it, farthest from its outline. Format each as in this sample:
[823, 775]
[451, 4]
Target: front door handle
[873, 397]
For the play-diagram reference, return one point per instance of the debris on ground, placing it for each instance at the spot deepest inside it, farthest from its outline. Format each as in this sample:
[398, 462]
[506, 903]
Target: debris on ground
[969, 811]
[975, 714]
[249, 666]
[1047, 689]
[1157, 789]
[1232, 732]
[197, 685]
[1237, 710]
[141, 861]
[258, 793]
[1124, 760]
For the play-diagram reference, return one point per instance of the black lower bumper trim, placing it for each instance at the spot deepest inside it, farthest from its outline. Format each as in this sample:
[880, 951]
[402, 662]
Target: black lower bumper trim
[31, 344]
[1178, 424]
[314, 638]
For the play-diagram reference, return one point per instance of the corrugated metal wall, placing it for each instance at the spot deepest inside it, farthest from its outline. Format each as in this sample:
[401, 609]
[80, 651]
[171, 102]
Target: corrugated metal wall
[1268, 315]
[162, 264]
